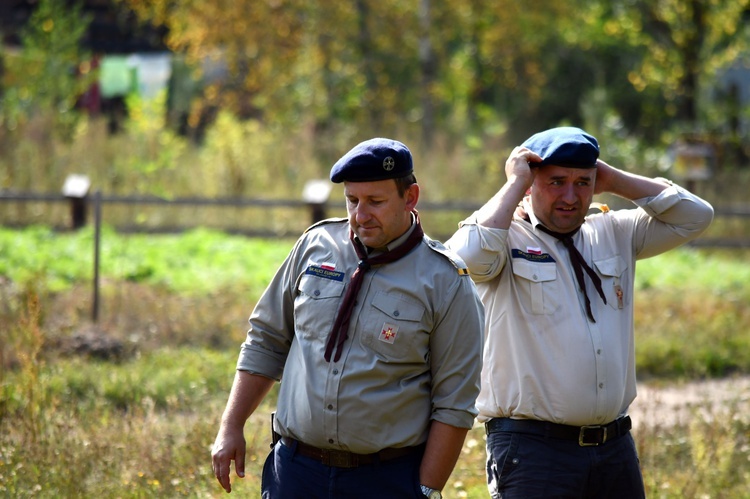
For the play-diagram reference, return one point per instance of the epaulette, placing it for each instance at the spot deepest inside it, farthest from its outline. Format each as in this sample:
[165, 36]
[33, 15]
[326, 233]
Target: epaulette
[325, 222]
[455, 260]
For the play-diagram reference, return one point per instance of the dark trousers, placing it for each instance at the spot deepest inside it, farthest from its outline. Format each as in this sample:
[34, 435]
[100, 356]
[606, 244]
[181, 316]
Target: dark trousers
[524, 466]
[288, 475]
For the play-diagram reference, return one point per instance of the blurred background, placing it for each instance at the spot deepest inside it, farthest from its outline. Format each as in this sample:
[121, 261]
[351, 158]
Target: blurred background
[197, 106]
[142, 141]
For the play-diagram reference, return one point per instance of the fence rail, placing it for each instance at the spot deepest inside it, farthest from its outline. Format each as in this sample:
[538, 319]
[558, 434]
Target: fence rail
[79, 208]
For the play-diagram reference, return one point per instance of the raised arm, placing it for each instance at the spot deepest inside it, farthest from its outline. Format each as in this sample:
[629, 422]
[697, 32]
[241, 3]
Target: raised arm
[497, 213]
[624, 184]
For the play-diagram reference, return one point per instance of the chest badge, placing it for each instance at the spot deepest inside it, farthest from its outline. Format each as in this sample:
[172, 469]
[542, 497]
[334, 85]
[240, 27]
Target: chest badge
[388, 333]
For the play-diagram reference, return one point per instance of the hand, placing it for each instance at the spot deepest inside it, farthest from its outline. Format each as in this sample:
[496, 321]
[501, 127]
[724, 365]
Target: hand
[519, 166]
[229, 445]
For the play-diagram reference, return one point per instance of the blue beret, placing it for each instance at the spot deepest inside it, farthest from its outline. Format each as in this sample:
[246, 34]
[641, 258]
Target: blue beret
[564, 146]
[374, 159]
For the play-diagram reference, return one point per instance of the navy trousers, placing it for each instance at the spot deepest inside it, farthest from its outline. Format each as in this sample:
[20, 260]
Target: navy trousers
[287, 475]
[523, 466]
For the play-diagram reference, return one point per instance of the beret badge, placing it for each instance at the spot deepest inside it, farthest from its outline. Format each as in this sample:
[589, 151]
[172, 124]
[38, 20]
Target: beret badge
[389, 163]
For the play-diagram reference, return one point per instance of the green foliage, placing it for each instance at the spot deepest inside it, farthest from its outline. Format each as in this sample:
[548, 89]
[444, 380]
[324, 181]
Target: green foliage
[196, 262]
[44, 79]
[697, 295]
[142, 426]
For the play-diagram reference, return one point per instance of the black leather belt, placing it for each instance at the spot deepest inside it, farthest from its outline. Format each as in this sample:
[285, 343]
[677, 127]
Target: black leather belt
[584, 435]
[344, 459]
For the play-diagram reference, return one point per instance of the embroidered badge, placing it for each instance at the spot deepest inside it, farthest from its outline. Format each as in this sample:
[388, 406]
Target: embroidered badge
[532, 256]
[388, 333]
[534, 250]
[389, 163]
[325, 273]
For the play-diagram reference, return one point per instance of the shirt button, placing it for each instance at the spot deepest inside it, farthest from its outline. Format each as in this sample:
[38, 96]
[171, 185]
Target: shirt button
[330, 440]
[599, 351]
[534, 277]
[316, 292]
[601, 385]
[330, 406]
[395, 313]
[335, 371]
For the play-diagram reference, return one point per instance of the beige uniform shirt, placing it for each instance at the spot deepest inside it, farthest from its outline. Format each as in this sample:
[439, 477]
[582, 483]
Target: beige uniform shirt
[413, 353]
[544, 359]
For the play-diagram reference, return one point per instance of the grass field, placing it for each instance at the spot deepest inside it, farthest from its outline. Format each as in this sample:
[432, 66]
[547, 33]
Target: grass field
[129, 406]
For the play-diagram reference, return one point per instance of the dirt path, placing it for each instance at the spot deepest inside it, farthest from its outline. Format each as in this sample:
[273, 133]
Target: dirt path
[678, 403]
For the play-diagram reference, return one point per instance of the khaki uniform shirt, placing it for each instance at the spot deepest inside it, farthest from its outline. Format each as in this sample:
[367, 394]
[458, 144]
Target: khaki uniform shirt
[413, 353]
[544, 359]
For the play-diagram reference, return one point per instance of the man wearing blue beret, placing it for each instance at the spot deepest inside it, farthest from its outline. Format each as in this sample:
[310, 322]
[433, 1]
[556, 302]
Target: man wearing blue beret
[376, 330]
[557, 285]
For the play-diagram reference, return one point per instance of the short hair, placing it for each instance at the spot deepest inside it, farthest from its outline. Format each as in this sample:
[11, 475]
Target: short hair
[403, 183]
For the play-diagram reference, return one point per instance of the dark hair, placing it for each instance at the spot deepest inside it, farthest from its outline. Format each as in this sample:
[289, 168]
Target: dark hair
[403, 183]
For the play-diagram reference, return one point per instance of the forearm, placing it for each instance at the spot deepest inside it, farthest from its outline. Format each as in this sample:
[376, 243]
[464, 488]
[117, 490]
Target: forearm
[248, 390]
[625, 184]
[497, 213]
[444, 445]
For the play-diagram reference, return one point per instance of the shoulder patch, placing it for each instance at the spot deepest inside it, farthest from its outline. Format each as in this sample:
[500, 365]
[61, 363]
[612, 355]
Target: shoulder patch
[455, 260]
[325, 222]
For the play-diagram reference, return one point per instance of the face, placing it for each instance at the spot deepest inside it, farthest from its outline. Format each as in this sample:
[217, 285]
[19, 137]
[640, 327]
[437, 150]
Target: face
[377, 214]
[561, 196]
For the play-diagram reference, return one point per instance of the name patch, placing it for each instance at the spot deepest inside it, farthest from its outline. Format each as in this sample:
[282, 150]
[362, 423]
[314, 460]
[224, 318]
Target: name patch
[532, 257]
[325, 273]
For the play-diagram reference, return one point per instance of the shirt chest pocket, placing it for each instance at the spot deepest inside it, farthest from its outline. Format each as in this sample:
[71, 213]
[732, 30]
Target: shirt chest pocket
[536, 285]
[316, 305]
[612, 271]
[393, 328]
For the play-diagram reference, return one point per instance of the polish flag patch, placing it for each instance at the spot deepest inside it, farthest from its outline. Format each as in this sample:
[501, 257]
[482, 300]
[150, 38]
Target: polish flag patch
[328, 266]
[534, 250]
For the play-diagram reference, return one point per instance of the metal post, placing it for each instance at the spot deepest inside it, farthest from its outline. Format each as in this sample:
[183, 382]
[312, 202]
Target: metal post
[97, 237]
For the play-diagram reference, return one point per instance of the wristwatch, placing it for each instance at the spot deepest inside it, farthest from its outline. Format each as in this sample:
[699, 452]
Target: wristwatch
[431, 493]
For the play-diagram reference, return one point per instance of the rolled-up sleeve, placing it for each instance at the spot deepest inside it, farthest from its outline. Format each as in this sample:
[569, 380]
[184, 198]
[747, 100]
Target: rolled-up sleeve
[456, 356]
[675, 217]
[271, 330]
[483, 249]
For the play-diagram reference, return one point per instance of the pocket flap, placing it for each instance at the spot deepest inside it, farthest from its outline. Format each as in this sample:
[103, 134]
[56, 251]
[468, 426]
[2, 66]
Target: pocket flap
[318, 287]
[612, 267]
[535, 271]
[396, 307]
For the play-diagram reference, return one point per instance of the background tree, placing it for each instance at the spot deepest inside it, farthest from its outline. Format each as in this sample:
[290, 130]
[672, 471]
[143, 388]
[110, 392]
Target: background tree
[474, 70]
[45, 78]
[686, 43]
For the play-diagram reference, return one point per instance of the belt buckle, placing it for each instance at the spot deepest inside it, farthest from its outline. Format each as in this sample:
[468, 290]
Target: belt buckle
[339, 459]
[582, 435]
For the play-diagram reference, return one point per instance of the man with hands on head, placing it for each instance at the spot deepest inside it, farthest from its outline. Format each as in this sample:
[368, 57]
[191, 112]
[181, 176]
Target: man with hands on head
[377, 332]
[558, 369]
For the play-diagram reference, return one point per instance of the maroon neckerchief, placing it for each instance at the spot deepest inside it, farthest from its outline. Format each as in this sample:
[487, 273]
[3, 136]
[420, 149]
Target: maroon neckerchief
[577, 261]
[339, 332]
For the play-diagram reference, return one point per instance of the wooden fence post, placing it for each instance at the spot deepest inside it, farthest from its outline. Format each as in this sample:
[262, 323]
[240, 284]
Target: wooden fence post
[76, 189]
[97, 246]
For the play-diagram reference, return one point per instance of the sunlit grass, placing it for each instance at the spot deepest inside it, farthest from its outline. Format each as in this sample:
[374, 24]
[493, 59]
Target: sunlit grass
[138, 420]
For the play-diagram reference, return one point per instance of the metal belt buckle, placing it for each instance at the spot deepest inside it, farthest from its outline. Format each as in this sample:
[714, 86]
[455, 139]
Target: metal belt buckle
[339, 459]
[582, 435]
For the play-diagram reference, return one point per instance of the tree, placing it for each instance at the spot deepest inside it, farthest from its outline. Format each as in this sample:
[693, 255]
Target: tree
[686, 42]
[49, 73]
